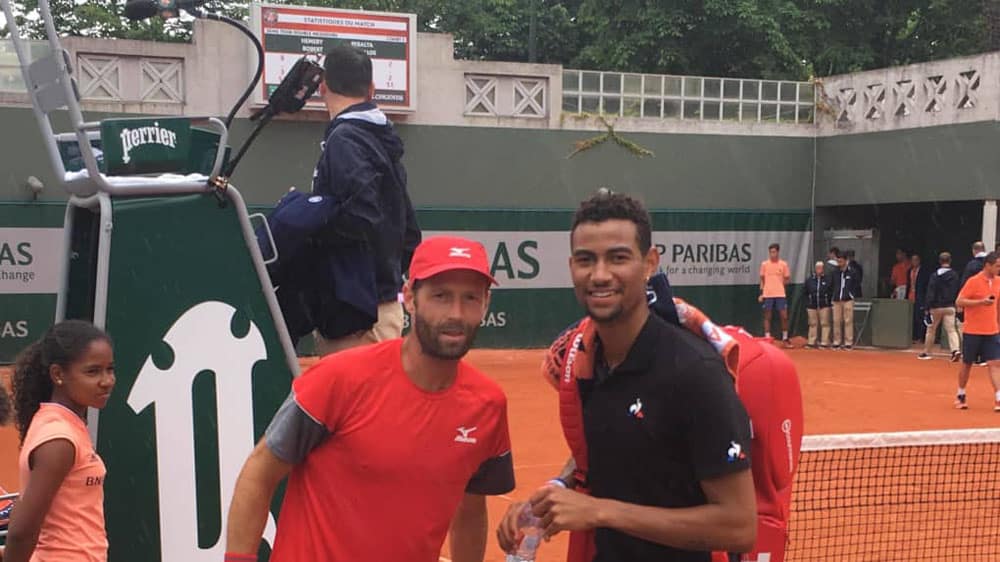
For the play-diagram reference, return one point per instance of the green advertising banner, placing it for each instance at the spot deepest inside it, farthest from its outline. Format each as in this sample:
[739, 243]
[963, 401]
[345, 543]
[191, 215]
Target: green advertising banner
[31, 250]
[201, 371]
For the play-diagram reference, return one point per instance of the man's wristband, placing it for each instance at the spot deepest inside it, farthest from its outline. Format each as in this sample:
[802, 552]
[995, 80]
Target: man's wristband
[236, 557]
[559, 481]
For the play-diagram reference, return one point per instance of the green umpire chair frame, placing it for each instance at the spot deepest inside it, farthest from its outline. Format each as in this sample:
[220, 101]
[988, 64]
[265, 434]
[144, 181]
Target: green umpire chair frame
[165, 259]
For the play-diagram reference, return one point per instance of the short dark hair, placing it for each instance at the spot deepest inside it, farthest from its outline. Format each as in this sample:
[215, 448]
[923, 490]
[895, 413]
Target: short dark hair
[774, 246]
[834, 250]
[991, 258]
[347, 71]
[607, 205]
[944, 258]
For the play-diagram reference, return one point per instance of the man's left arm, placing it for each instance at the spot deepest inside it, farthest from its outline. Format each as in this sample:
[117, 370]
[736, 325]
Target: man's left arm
[467, 535]
[495, 476]
[787, 273]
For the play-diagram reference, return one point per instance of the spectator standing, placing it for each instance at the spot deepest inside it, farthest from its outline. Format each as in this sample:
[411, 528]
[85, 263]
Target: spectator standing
[898, 279]
[819, 307]
[942, 289]
[846, 288]
[916, 293]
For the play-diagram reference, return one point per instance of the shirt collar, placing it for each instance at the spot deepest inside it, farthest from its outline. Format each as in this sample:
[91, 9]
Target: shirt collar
[640, 356]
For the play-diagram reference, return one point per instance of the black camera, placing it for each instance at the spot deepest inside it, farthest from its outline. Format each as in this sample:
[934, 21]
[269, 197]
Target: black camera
[295, 89]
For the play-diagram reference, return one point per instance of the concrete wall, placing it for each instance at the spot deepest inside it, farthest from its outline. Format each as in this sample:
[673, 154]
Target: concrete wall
[946, 92]
[206, 76]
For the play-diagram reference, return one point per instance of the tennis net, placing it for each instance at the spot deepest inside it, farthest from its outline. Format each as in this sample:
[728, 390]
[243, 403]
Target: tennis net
[885, 497]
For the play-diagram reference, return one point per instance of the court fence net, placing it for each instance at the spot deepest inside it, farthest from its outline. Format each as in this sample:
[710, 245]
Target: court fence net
[886, 497]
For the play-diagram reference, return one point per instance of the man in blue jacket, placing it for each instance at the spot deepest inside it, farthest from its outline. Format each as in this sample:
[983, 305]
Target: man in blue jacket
[361, 171]
[942, 290]
[846, 288]
[819, 306]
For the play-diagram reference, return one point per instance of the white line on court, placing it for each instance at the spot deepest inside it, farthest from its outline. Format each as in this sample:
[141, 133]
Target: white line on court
[849, 384]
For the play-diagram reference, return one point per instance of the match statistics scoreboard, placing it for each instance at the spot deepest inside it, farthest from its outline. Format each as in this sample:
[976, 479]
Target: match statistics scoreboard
[289, 32]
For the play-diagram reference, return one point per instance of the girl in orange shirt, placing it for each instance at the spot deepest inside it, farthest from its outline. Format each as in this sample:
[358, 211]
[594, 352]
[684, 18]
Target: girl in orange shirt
[60, 513]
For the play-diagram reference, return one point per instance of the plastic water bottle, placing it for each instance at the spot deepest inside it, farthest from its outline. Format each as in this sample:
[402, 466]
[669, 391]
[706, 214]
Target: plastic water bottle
[531, 535]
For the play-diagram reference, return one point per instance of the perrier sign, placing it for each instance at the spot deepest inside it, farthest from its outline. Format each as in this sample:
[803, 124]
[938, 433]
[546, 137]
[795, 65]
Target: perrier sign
[146, 146]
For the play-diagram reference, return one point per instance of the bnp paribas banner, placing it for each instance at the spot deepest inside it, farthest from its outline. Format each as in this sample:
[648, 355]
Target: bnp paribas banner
[29, 281]
[712, 258]
[538, 260]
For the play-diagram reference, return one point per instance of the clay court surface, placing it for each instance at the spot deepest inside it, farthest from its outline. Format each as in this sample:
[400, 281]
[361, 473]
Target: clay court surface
[844, 392]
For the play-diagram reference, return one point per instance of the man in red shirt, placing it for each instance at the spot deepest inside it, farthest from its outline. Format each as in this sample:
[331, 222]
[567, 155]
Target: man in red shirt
[389, 446]
[898, 279]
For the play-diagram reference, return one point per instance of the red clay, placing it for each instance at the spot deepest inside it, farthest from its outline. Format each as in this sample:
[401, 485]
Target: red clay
[844, 392]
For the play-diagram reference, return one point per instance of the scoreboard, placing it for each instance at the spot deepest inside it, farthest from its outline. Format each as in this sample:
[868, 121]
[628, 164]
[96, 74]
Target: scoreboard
[289, 32]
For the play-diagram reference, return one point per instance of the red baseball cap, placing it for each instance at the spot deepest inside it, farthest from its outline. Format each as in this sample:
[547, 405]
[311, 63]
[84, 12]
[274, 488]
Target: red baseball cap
[446, 253]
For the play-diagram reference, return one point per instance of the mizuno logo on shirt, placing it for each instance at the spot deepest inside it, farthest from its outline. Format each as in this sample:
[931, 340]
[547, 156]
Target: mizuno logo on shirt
[463, 435]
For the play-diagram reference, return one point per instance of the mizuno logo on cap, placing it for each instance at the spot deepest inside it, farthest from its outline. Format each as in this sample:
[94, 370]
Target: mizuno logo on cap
[460, 253]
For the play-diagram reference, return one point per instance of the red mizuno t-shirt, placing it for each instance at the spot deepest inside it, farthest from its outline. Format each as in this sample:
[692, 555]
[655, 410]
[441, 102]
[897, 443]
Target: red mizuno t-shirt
[381, 465]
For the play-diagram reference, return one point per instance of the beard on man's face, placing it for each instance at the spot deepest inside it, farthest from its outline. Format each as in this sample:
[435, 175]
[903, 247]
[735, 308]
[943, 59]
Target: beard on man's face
[435, 340]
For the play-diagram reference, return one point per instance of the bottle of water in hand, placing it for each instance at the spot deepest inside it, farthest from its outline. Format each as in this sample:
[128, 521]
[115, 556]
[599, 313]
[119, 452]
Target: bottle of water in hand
[531, 534]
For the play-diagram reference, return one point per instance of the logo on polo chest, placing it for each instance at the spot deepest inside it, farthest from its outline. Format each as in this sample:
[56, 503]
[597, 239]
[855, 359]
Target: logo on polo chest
[142, 136]
[735, 452]
[463, 435]
[635, 410]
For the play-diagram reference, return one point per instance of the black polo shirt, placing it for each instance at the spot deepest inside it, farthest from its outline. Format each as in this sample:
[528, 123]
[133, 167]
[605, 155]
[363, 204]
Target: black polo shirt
[656, 425]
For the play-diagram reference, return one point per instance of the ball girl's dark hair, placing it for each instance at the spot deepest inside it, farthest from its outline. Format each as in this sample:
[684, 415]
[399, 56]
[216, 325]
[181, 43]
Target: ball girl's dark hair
[62, 345]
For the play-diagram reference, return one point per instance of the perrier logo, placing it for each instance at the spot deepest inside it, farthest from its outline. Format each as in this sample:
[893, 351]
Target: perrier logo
[142, 136]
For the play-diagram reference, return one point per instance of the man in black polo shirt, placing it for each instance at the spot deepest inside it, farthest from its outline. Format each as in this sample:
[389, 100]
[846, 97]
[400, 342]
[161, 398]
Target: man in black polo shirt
[663, 452]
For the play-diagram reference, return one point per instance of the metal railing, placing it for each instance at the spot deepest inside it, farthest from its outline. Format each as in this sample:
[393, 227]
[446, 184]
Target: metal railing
[688, 97]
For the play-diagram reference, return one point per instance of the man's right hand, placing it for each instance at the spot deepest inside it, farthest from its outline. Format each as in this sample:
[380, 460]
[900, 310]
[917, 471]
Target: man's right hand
[507, 532]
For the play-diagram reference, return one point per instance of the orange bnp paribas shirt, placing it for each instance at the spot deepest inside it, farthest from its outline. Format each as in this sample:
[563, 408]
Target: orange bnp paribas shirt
[73, 530]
